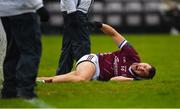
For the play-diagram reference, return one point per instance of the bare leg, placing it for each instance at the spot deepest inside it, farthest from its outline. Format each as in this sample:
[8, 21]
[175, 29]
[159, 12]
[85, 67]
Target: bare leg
[84, 72]
[50, 79]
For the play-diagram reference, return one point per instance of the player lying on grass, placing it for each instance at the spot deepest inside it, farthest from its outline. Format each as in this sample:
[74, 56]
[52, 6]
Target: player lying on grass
[121, 65]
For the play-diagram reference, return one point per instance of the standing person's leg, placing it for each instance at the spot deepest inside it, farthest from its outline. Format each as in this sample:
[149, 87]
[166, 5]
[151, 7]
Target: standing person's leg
[28, 40]
[10, 62]
[3, 43]
[66, 58]
[81, 37]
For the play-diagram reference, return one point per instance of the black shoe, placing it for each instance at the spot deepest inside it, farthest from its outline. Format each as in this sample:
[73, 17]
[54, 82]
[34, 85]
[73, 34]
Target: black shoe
[27, 95]
[6, 94]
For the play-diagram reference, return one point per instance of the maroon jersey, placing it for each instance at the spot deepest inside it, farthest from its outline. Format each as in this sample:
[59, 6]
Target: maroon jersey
[117, 63]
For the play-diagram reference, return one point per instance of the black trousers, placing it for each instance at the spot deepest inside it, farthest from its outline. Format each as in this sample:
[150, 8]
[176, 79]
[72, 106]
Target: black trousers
[23, 55]
[76, 41]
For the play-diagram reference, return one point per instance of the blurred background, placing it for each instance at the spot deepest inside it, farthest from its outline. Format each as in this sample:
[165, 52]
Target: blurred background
[127, 16]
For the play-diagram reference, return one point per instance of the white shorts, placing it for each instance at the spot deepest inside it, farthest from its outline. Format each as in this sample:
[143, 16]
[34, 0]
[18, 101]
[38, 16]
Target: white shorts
[94, 59]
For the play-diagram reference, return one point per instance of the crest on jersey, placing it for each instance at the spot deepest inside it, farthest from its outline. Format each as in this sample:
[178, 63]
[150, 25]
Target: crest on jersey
[115, 64]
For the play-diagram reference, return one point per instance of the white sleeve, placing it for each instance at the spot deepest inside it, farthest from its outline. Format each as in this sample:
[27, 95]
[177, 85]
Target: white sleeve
[35, 4]
[69, 5]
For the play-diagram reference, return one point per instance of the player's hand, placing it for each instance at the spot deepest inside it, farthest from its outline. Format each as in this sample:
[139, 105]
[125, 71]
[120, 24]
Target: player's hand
[94, 25]
[44, 14]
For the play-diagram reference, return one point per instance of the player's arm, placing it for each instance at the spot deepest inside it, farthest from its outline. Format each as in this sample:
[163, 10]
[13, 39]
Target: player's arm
[121, 78]
[118, 38]
[107, 29]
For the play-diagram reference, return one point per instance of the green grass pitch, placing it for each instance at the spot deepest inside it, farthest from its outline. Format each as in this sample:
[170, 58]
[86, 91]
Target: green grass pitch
[163, 51]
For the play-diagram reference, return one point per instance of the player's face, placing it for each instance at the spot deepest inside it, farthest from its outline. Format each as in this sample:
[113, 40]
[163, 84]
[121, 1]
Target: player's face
[141, 69]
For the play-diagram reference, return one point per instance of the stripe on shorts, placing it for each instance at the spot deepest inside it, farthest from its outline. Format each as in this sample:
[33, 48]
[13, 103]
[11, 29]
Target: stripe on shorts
[90, 57]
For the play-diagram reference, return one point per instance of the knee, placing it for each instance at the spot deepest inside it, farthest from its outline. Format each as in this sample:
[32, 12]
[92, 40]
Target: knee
[81, 78]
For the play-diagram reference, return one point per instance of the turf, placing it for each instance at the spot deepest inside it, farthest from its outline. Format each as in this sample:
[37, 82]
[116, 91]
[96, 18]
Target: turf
[163, 51]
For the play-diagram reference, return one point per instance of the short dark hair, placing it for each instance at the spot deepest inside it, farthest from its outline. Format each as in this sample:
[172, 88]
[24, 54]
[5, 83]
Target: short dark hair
[152, 72]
